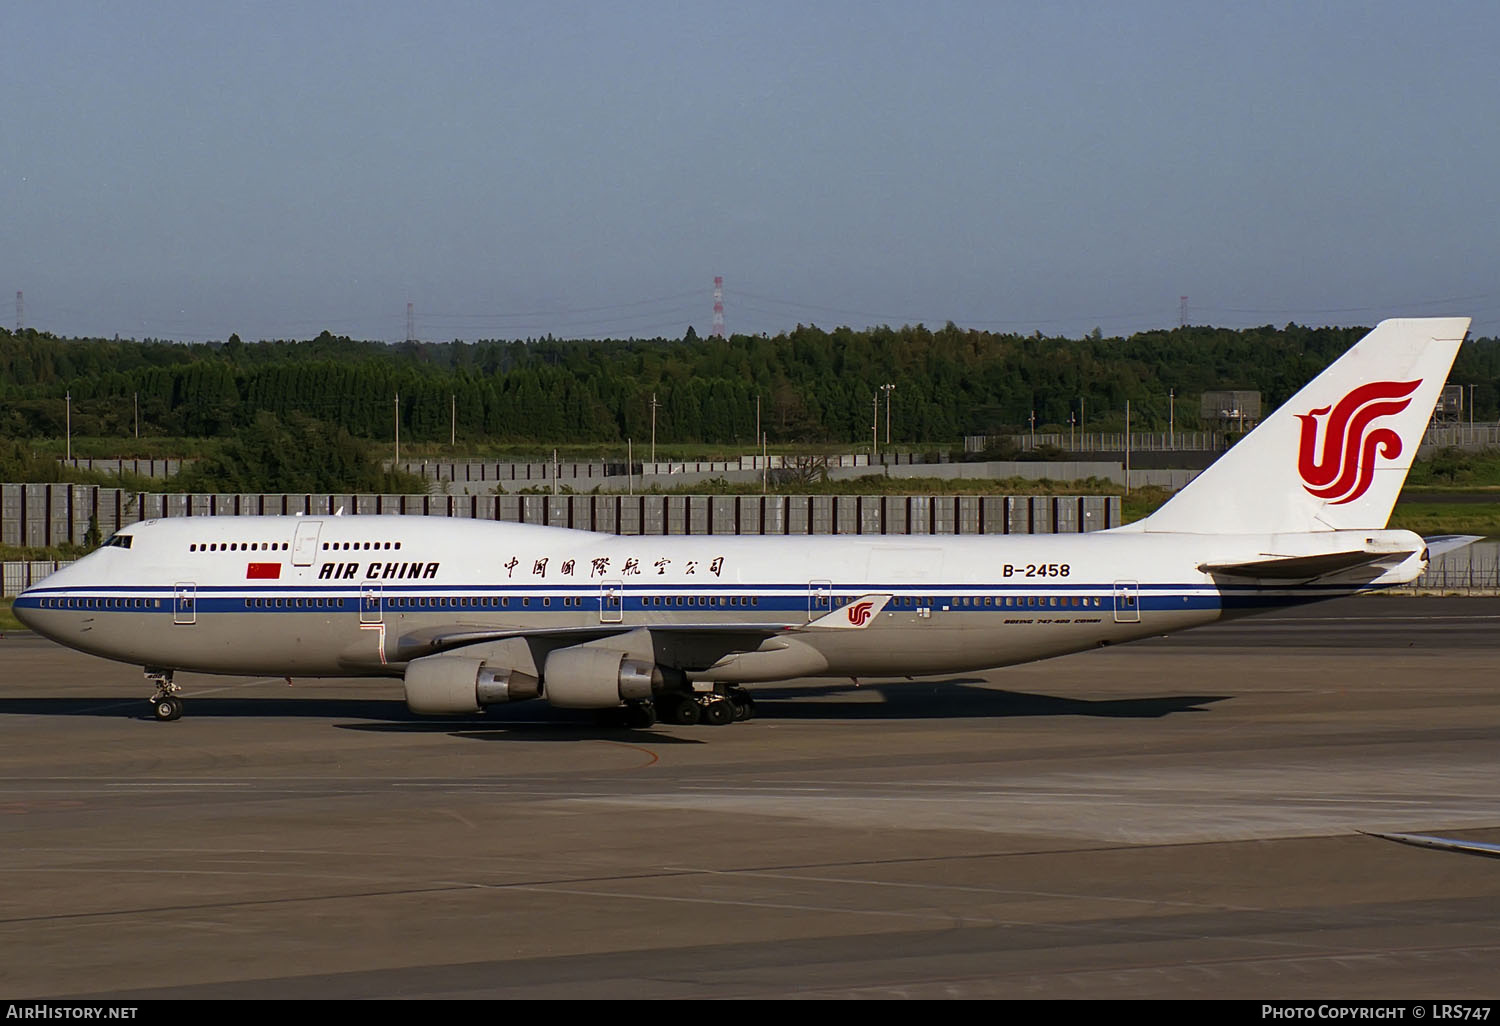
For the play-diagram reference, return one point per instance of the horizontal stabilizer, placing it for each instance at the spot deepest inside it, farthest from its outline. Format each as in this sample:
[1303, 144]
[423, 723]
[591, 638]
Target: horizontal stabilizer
[1300, 568]
[1441, 544]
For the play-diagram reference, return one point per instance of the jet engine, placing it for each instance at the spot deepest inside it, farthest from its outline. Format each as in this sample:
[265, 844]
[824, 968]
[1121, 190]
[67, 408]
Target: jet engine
[450, 685]
[597, 678]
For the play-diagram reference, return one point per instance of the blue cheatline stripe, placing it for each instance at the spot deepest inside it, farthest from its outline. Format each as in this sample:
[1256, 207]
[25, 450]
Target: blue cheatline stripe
[768, 598]
[643, 586]
[798, 608]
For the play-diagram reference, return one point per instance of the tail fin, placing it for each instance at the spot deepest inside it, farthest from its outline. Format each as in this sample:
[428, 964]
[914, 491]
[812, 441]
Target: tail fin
[1335, 455]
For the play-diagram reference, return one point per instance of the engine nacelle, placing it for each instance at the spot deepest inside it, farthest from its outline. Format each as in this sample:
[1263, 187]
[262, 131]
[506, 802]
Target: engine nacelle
[596, 678]
[454, 685]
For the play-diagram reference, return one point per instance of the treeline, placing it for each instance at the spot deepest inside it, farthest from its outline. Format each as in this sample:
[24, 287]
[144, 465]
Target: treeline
[812, 385]
[269, 454]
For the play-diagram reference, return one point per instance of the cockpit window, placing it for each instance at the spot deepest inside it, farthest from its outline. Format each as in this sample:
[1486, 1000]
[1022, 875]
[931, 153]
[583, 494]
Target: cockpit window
[120, 541]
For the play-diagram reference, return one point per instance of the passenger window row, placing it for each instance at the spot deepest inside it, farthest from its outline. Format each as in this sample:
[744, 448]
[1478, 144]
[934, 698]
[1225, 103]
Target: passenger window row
[237, 547]
[294, 603]
[488, 602]
[701, 601]
[101, 603]
[1011, 601]
[999, 602]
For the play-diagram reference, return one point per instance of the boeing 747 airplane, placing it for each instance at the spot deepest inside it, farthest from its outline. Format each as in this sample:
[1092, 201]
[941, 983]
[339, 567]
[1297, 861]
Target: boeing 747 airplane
[474, 613]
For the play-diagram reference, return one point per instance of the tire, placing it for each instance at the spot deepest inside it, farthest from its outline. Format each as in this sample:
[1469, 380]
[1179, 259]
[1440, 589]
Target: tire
[687, 713]
[167, 709]
[719, 712]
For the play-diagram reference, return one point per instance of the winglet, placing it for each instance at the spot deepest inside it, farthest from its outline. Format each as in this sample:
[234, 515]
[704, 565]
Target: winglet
[855, 616]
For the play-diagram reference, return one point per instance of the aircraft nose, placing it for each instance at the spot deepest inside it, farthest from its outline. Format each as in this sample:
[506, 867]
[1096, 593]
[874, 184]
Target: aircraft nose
[22, 608]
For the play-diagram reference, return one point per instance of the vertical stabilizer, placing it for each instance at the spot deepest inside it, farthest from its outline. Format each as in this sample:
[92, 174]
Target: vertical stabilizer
[1335, 455]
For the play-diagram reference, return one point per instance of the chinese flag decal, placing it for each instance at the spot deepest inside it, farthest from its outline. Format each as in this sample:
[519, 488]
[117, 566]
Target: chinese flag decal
[263, 572]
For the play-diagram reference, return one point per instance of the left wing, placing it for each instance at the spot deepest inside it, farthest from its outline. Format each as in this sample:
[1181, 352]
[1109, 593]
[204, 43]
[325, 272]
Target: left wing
[1442, 843]
[856, 615]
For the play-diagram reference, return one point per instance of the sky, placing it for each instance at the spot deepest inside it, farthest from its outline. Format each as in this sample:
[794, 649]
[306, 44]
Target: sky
[584, 169]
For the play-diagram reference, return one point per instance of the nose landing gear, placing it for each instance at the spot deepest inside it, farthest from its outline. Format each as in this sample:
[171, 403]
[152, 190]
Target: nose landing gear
[165, 705]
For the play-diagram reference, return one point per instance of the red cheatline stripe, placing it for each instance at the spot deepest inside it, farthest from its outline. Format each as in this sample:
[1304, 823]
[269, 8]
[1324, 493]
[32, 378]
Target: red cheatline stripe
[263, 572]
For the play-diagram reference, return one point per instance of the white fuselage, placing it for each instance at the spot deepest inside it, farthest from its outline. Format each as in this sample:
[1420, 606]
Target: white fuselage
[339, 596]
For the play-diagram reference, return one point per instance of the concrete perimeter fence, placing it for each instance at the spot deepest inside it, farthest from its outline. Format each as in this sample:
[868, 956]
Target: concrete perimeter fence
[43, 515]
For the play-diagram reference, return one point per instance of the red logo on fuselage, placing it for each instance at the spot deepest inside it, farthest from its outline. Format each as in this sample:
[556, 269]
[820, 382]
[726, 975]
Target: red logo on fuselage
[860, 612]
[1343, 468]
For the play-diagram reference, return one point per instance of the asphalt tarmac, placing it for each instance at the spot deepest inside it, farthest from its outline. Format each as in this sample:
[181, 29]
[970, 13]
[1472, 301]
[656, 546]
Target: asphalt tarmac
[1176, 818]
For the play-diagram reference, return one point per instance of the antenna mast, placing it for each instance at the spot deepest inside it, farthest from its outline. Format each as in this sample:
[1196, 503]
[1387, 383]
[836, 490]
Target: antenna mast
[718, 331]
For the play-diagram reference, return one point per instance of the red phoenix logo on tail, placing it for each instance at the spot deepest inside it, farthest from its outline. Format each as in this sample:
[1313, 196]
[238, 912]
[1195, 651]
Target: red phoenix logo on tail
[1344, 467]
[860, 612]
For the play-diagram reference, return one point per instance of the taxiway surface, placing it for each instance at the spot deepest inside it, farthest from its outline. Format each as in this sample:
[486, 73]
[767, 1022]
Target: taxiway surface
[1177, 818]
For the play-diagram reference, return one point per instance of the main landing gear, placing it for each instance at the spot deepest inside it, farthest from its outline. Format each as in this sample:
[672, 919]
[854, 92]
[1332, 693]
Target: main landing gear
[716, 708]
[165, 705]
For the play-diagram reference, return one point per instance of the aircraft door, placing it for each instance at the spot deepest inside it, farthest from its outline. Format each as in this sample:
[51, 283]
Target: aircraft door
[305, 543]
[371, 606]
[1127, 602]
[611, 602]
[184, 602]
[819, 598]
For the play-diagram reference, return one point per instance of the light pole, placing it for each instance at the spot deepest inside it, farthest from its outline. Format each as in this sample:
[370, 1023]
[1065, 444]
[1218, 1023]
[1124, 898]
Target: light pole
[398, 431]
[875, 427]
[888, 388]
[1171, 418]
[69, 397]
[653, 428]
